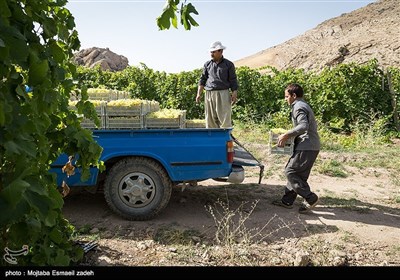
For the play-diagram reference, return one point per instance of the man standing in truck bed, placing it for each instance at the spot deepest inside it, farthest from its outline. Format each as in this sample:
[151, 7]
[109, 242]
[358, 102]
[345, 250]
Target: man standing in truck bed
[220, 82]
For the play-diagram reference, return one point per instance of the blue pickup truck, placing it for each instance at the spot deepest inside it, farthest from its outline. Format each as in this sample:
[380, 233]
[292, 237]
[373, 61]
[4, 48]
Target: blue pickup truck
[143, 165]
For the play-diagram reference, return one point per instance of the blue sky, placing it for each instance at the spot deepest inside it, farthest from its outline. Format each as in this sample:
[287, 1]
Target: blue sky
[129, 28]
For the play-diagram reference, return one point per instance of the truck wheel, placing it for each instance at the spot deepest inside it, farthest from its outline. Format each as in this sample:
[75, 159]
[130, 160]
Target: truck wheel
[137, 188]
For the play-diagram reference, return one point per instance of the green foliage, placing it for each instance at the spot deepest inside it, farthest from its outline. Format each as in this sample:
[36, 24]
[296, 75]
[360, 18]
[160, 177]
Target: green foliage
[334, 141]
[343, 98]
[169, 15]
[343, 94]
[36, 43]
[179, 91]
[186, 18]
[372, 132]
[364, 134]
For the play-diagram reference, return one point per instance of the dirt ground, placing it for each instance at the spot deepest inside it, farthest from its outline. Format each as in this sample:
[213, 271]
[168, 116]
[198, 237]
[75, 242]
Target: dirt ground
[357, 223]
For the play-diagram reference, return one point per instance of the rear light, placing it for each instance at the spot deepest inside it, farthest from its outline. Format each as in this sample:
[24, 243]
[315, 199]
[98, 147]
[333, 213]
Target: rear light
[230, 151]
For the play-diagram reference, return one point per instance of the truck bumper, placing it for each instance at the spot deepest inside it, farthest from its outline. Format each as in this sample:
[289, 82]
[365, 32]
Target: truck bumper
[237, 175]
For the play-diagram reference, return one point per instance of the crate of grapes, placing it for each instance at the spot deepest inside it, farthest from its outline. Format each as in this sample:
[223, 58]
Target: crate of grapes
[166, 118]
[273, 143]
[124, 108]
[130, 122]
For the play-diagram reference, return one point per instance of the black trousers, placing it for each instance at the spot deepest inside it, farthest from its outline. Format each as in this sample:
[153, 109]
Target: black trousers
[297, 171]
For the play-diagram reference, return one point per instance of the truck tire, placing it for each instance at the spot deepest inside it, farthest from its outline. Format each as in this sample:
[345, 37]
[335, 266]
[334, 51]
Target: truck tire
[137, 188]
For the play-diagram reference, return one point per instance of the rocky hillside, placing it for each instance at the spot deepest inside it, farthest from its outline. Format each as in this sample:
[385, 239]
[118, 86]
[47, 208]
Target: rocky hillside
[107, 59]
[369, 32]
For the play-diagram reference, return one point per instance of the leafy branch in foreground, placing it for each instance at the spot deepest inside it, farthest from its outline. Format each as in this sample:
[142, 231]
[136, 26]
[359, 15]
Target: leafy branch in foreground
[169, 15]
[37, 39]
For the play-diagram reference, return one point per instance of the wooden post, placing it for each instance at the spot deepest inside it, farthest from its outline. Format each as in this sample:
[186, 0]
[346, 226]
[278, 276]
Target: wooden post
[394, 101]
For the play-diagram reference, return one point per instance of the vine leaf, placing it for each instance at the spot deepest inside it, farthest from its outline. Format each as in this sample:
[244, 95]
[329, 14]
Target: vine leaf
[169, 17]
[38, 72]
[186, 19]
[13, 192]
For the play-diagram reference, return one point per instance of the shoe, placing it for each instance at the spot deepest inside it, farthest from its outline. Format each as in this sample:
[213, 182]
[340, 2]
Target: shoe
[306, 207]
[282, 204]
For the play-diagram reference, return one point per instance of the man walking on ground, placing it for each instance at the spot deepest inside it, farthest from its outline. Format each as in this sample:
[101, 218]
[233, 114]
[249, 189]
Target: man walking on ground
[306, 149]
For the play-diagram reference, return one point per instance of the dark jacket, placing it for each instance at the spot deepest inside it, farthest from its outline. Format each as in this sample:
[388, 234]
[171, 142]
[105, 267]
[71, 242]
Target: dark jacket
[219, 76]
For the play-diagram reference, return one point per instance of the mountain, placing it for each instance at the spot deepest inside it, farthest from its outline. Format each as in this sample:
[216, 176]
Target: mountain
[370, 32]
[107, 59]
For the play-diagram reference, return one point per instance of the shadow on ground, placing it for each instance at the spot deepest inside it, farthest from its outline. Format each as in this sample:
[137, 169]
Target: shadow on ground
[207, 211]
